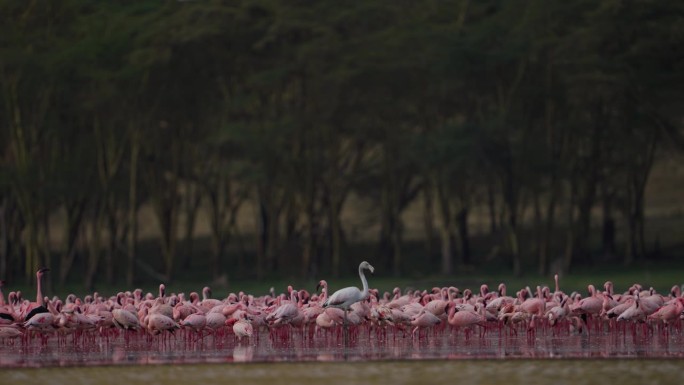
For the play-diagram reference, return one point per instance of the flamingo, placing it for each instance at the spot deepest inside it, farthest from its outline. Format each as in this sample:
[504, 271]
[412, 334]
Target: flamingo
[464, 318]
[156, 323]
[322, 284]
[125, 320]
[10, 332]
[344, 298]
[424, 319]
[634, 312]
[38, 306]
[668, 313]
[243, 328]
[196, 322]
[557, 313]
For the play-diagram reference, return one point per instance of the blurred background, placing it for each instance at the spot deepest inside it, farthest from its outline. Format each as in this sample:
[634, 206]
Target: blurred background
[149, 141]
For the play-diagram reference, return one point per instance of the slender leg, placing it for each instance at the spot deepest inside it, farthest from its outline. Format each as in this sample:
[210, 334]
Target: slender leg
[346, 329]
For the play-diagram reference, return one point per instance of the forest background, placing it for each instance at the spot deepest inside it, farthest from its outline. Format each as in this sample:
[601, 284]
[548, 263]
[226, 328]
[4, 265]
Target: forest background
[220, 141]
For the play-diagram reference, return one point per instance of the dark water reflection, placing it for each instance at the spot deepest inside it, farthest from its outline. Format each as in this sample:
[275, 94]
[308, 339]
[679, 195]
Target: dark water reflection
[366, 346]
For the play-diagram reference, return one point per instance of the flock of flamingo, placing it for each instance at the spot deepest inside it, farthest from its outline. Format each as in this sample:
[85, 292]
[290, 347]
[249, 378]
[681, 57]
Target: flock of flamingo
[411, 314]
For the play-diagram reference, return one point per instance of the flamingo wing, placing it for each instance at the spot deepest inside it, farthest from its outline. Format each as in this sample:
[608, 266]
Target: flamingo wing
[343, 297]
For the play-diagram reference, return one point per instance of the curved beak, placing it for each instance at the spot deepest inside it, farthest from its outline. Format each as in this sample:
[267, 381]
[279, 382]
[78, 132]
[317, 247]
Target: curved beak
[43, 270]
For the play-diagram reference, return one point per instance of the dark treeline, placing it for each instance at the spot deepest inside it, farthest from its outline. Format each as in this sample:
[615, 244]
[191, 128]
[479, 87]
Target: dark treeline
[196, 109]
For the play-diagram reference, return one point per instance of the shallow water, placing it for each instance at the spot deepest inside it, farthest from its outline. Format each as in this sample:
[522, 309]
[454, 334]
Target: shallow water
[365, 345]
[509, 372]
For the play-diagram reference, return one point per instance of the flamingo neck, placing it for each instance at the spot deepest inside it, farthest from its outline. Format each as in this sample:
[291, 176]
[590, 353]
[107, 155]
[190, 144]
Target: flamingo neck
[324, 294]
[555, 278]
[364, 292]
[39, 290]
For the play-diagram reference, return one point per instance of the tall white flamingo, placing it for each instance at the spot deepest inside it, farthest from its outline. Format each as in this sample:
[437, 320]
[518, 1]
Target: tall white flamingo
[347, 296]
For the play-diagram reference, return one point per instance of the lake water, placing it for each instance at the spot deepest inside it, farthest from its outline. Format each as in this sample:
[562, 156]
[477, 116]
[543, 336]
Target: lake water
[438, 357]
[471, 372]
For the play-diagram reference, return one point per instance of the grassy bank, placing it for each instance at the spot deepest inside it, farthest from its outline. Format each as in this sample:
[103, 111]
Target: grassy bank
[660, 276]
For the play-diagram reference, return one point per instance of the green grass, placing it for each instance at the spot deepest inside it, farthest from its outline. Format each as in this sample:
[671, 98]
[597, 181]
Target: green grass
[660, 276]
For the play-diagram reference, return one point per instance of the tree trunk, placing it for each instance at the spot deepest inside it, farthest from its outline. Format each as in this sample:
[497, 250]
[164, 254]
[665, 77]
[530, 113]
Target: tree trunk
[570, 232]
[396, 245]
[447, 230]
[94, 249]
[608, 230]
[464, 234]
[192, 202]
[547, 235]
[74, 219]
[335, 234]
[112, 252]
[428, 220]
[132, 209]
[262, 223]
[4, 237]
[491, 205]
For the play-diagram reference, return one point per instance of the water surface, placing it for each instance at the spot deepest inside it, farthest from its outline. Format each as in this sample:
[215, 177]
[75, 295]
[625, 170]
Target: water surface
[509, 372]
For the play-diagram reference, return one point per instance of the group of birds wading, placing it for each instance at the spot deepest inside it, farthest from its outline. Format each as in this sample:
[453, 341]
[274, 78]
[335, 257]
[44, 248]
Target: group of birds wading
[418, 314]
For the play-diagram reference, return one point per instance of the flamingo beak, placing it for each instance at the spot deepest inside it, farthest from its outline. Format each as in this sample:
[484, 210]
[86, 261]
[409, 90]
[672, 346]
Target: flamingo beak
[43, 270]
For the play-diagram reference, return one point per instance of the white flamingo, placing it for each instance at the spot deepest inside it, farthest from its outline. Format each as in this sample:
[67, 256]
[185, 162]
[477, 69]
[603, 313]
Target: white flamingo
[348, 296]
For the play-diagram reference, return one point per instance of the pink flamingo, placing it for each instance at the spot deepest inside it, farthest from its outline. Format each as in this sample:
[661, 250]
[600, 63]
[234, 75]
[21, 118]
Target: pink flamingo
[207, 302]
[322, 284]
[438, 306]
[124, 319]
[39, 306]
[157, 323]
[669, 313]
[424, 319]
[196, 322]
[243, 328]
[634, 312]
[464, 318]
[9, 332]
[557, 313]
[534, 305]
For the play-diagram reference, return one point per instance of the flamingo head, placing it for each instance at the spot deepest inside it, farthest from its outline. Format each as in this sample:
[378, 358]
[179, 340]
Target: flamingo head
[42, 271]
[374, 292]
[304, 296]
[608, 285]
[367, 266]
[502, 289]
[322, 284]
[206, 292]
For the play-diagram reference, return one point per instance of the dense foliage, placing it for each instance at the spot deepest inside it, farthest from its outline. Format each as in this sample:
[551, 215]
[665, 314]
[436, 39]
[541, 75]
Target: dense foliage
[557, 108]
